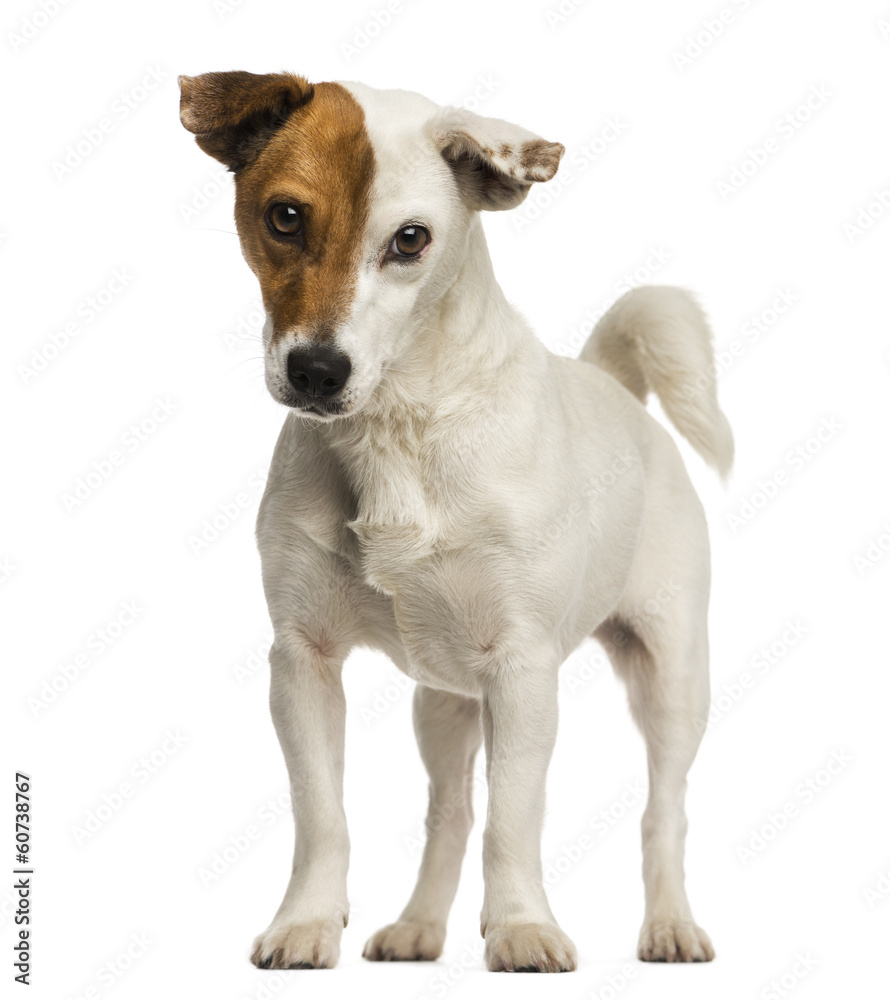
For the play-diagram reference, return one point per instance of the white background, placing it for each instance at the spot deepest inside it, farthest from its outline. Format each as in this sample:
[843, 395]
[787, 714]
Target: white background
[661, 199]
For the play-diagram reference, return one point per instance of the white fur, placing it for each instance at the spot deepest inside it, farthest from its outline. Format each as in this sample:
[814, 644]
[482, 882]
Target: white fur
[483, 508]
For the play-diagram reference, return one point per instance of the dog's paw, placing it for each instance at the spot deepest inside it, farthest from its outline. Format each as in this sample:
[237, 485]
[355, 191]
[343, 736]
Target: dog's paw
[405, 941]
[529, 948]
[674, 941]
[314, 945]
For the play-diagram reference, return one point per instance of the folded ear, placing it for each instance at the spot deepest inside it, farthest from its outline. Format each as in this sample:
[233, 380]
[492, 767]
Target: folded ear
[233, 115]
[495, 163]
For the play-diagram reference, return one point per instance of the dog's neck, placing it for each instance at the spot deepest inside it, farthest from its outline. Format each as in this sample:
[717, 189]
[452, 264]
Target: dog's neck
[399, 460]
[471, 322]
[453, 347]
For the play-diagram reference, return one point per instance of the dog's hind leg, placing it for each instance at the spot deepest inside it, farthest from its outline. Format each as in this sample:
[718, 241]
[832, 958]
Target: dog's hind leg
[449, 733]
[659, 647]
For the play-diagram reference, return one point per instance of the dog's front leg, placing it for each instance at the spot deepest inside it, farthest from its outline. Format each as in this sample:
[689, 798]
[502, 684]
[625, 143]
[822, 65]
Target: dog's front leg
[309, 712]
[519, 721]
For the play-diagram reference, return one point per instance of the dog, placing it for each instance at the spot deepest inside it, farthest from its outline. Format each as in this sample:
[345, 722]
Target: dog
[448, 491]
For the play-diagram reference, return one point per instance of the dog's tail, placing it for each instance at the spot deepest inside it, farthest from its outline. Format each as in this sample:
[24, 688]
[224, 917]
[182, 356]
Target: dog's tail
[656, 338]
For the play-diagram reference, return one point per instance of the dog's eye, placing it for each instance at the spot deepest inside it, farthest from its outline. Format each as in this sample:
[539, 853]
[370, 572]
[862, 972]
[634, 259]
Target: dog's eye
[409, 241]
[284, 219]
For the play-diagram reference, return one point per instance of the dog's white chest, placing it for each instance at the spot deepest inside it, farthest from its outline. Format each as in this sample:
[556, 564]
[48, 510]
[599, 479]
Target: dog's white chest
[388, 549]
[394, 524]
[398, 519]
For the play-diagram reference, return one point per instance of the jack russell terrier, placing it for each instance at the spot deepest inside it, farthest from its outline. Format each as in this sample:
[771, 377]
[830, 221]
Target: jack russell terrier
[448, 491]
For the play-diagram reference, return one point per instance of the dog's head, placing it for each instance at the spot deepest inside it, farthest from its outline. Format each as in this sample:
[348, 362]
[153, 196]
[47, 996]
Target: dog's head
[353, 207]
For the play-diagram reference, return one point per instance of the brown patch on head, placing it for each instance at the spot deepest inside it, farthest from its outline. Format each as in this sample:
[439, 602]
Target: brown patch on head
[322, 161]
[302, 145]
[540, 159]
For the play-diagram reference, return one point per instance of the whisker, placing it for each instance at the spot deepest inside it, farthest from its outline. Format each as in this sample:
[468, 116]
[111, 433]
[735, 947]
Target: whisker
[252, 357]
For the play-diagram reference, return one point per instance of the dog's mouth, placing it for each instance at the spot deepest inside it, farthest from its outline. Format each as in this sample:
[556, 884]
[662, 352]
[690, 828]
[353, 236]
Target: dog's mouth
[309, 406]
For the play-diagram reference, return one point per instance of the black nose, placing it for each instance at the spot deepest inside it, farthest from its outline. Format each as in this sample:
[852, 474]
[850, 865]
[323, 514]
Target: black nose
[318, 371]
